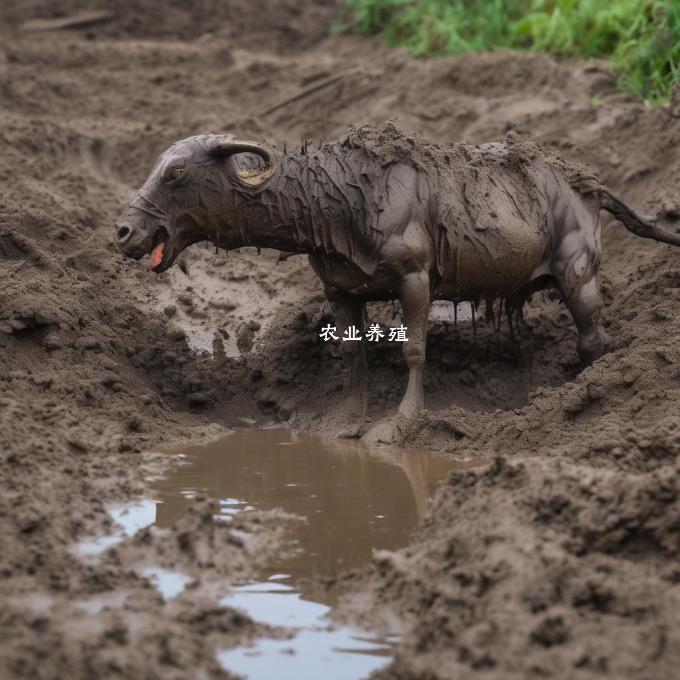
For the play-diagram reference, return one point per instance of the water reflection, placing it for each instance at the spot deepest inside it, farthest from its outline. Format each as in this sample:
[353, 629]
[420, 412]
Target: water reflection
[355, 498]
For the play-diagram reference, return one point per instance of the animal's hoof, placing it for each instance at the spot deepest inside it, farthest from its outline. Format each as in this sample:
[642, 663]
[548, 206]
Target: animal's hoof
[592, 346]
[385, 432]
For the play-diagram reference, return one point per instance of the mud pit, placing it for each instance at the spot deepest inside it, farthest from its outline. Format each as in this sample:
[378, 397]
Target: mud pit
[347, 499]
[558, 560]
[352, 499]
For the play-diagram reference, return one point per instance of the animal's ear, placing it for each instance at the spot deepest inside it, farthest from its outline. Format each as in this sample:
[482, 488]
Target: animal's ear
[227, 145]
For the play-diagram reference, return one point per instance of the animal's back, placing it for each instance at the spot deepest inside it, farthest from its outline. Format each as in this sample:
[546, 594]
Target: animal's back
[492, 210]
[489, 207]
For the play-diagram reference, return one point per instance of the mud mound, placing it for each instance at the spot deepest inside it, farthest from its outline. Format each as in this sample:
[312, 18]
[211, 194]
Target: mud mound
[558, 550]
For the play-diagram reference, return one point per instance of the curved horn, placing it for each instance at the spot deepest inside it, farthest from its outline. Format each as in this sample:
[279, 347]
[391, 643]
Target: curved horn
[228, 145]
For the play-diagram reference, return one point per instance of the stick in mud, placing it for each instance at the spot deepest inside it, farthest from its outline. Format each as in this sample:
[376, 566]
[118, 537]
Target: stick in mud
[305, 93]
[82, 20]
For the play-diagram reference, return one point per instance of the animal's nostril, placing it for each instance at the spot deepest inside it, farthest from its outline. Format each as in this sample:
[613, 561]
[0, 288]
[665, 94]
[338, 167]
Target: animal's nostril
[123, 233]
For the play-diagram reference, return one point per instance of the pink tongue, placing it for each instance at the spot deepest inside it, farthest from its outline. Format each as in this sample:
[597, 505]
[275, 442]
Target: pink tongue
[156, 256]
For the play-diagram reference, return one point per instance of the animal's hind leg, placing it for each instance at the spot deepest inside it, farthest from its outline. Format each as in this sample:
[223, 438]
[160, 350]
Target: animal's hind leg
[576, 277]
[585, 304]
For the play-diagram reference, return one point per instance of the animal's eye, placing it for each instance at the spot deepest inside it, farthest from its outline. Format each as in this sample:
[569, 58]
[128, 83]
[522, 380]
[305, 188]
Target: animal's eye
[176, 173]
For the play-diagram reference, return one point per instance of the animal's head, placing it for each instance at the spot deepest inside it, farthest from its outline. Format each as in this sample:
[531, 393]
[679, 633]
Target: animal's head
[189, 196]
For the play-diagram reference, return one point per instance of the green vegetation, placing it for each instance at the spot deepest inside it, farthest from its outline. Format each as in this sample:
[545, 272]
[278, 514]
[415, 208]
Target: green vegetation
[641, 37]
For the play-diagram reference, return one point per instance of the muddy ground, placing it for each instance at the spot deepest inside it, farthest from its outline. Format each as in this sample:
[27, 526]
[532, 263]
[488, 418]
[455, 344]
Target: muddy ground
[559, 560]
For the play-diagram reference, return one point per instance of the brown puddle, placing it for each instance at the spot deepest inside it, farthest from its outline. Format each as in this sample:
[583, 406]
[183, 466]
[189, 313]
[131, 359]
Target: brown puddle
[354, 499]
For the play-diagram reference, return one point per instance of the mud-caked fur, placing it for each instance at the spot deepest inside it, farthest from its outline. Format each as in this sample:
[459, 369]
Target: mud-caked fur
[384, 215]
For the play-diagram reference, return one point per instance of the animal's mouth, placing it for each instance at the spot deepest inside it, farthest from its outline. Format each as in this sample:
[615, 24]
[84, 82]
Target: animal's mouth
[162, 253]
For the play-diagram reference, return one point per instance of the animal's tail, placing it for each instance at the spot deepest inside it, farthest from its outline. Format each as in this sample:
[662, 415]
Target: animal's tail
[587, 184]
[641, 226]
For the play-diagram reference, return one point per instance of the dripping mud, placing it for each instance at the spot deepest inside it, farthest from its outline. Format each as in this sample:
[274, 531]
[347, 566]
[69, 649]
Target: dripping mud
[557, 558]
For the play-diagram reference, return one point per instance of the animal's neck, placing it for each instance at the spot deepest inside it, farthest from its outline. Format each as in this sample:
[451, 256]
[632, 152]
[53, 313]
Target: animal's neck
[285, 213]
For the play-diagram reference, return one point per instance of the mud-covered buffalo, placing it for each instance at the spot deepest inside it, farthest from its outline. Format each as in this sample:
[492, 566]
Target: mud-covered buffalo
[383, 215]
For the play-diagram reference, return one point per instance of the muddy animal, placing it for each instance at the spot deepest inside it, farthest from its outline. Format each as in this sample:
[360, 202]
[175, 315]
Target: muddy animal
[384, 215]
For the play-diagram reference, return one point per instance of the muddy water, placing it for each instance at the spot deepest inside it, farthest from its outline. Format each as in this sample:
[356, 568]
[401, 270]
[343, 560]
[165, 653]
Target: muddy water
[354, 499]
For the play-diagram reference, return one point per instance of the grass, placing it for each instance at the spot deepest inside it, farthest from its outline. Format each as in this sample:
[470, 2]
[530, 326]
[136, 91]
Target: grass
[641, 37]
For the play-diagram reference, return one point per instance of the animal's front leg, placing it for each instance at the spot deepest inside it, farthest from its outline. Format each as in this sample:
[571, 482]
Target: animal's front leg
[414, 294]
[349, 311]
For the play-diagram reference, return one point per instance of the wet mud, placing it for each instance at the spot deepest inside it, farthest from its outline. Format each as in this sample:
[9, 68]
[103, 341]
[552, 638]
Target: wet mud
[343, 500]
[557, 559]
[353, 498]
[348, 499]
